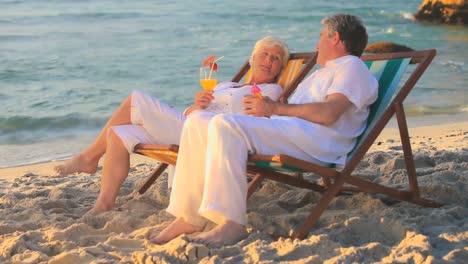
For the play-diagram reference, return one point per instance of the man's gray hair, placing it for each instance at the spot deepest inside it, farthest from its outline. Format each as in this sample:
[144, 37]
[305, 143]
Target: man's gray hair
[351, 31]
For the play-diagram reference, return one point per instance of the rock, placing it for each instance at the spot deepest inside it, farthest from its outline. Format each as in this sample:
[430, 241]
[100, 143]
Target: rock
[399, 163]
[443, 11]
[385, 47]
[393, 165]
[424, 162]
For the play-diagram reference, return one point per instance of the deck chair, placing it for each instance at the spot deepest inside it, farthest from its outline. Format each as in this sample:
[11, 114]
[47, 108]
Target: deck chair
[298, 67]
[388, 69]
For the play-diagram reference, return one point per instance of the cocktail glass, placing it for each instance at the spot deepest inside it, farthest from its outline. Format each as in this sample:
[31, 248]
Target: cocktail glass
[208, 78]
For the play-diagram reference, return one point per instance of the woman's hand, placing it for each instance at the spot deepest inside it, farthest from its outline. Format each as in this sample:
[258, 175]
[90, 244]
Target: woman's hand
[203, 99]
[258, 107]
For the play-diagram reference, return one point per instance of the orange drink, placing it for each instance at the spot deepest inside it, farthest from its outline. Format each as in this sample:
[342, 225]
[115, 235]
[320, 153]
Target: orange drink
[208, 84]
[208, 78]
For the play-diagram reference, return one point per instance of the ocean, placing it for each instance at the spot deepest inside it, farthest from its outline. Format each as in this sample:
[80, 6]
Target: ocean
[66, 65]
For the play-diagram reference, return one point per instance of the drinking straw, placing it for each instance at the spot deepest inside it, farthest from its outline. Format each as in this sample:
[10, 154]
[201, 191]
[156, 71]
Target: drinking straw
[211, 65]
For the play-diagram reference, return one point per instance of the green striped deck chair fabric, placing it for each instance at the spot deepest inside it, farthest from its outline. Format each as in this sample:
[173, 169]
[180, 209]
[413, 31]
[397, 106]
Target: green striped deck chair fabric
[388, 73]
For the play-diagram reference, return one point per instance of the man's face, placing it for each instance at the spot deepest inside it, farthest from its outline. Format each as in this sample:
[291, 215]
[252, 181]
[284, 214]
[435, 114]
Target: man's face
[324, 46]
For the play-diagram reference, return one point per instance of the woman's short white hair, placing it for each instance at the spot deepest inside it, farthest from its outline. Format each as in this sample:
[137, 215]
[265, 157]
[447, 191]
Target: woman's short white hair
[268, 42]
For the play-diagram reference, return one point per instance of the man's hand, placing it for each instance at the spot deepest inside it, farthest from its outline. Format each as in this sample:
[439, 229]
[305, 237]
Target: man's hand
[203, 99]
[258, 107]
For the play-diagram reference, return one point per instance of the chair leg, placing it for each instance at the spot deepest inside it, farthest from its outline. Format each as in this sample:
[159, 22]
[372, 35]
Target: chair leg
[425, 202]
[154, 176]
[321, 206]
[253, 184]
[326, 181]
[408, 153]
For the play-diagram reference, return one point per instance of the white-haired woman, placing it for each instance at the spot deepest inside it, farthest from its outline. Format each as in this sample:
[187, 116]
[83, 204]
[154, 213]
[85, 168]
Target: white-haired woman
[142, 119]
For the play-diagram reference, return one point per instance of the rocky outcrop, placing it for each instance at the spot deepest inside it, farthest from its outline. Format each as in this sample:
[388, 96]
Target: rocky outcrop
[443, 11]
[385, 47]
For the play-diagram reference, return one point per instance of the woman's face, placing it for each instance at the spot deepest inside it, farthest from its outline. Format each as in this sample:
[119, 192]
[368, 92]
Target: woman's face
[266, 64]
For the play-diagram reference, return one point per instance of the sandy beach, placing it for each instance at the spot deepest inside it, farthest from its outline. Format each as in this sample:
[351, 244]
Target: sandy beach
[41, 214]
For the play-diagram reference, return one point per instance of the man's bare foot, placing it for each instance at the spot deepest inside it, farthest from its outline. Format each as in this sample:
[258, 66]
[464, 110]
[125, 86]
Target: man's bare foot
[224, 234]
[173, 230]
[77, 164]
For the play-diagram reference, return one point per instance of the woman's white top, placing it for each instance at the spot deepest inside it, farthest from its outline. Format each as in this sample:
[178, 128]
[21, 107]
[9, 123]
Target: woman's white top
[228, 96]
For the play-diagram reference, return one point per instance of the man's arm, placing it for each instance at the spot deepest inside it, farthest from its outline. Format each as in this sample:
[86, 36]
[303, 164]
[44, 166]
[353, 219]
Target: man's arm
[325, 113]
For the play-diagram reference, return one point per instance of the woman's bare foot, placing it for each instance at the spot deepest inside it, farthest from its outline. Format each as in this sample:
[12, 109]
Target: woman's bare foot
[99, 209]
[173, 230]
[224, 234]
[77, 164]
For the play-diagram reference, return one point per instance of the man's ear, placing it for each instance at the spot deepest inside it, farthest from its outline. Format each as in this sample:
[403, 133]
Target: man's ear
[336, 38]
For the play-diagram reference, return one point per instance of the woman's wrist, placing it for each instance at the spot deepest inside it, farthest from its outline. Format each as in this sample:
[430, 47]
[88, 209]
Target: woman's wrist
[187, 110]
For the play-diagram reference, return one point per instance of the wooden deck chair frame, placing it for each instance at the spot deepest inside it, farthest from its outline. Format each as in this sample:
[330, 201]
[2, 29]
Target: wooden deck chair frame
[167, 154]
[336, 181]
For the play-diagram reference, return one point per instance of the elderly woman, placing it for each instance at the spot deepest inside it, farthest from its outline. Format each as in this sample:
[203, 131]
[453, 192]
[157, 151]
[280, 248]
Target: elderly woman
[144, 119]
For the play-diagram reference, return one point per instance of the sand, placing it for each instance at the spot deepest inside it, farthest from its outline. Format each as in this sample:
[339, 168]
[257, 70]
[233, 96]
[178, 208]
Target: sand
[41, 214]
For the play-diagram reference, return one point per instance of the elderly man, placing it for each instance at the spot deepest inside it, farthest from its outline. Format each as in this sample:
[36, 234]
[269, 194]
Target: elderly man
[320, 124]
